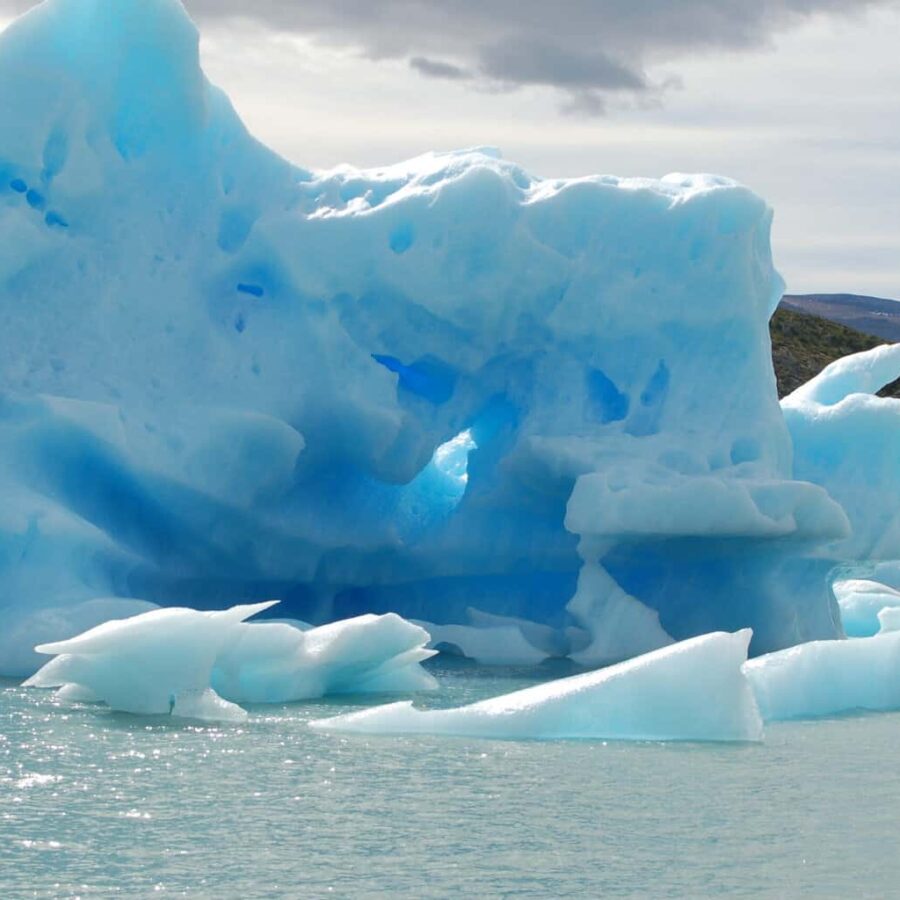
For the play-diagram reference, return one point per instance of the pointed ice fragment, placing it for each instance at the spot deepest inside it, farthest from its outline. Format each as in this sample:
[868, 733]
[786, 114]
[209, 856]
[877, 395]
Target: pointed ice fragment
[155, 663]
[694, 690]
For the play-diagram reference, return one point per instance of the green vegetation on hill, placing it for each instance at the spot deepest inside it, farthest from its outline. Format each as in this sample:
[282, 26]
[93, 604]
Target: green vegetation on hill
[802, 345]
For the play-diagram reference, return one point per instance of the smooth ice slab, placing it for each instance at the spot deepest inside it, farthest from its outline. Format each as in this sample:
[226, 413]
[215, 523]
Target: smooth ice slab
[825, 678]
[694, 690]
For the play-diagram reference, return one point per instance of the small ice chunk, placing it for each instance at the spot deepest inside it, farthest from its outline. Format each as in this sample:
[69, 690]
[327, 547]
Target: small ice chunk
[694, 690]
[275, 662]
[824, 678]
[860, 602]
[550, 641]
[500, 645]
[889, 619]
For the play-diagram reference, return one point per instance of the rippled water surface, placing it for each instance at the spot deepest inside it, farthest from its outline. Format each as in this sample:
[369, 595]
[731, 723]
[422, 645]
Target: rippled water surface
[98, 804]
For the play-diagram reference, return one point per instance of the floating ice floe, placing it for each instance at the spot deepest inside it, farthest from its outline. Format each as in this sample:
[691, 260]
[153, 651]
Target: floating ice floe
[497, 640]
[198, 665]
[694, 690]
[825, 678]
[497, 645]
[156, 663]
[276, 662]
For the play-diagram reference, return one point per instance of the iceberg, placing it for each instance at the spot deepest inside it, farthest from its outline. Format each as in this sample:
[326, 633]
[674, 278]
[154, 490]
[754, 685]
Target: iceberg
[825, 678]
[861, 602]
[847, 440]
[415, 389]
[199, 665]
[691, 691]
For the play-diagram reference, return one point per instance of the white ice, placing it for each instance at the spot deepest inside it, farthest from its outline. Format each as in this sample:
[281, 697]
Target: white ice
[847, 440]
[497, 645]
[276, 662]
[694, 690]
[860, 602]
[889, 620]
[201, 664]
[155, 663]
[825, 678]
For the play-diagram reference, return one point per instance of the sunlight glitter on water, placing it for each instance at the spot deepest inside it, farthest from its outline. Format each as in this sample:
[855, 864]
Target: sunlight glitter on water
[95, 803]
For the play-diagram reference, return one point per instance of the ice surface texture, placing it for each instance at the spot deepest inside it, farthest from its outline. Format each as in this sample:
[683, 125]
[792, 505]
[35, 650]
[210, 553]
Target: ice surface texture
[155, 663]
[825, 678]
[694, 690]
[848, 440]
[198, 665]
[861, 602]
[436, 385]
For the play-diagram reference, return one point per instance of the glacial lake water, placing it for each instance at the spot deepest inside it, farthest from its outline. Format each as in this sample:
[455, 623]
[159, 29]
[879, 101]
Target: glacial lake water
[96, 804]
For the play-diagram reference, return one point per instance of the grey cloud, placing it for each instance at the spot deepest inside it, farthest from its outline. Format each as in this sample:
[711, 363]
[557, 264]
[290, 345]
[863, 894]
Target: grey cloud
[435, 68]
[587, 49]
[523, 62]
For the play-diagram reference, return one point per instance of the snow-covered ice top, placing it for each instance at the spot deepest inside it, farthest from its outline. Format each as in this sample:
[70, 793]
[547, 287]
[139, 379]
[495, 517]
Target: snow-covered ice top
[441, 384]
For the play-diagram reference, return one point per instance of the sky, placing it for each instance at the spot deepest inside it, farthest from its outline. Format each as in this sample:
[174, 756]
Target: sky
[799, 99]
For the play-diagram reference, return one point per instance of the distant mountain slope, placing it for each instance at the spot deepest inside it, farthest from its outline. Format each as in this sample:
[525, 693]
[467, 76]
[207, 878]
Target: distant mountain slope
[803, 344]
[871, 315]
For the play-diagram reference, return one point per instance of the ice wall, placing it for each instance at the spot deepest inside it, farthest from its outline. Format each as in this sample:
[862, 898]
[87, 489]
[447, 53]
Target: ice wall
[441, 384]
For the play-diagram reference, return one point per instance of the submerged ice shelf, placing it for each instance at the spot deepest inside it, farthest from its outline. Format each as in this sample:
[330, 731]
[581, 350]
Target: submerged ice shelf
[435, 386]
